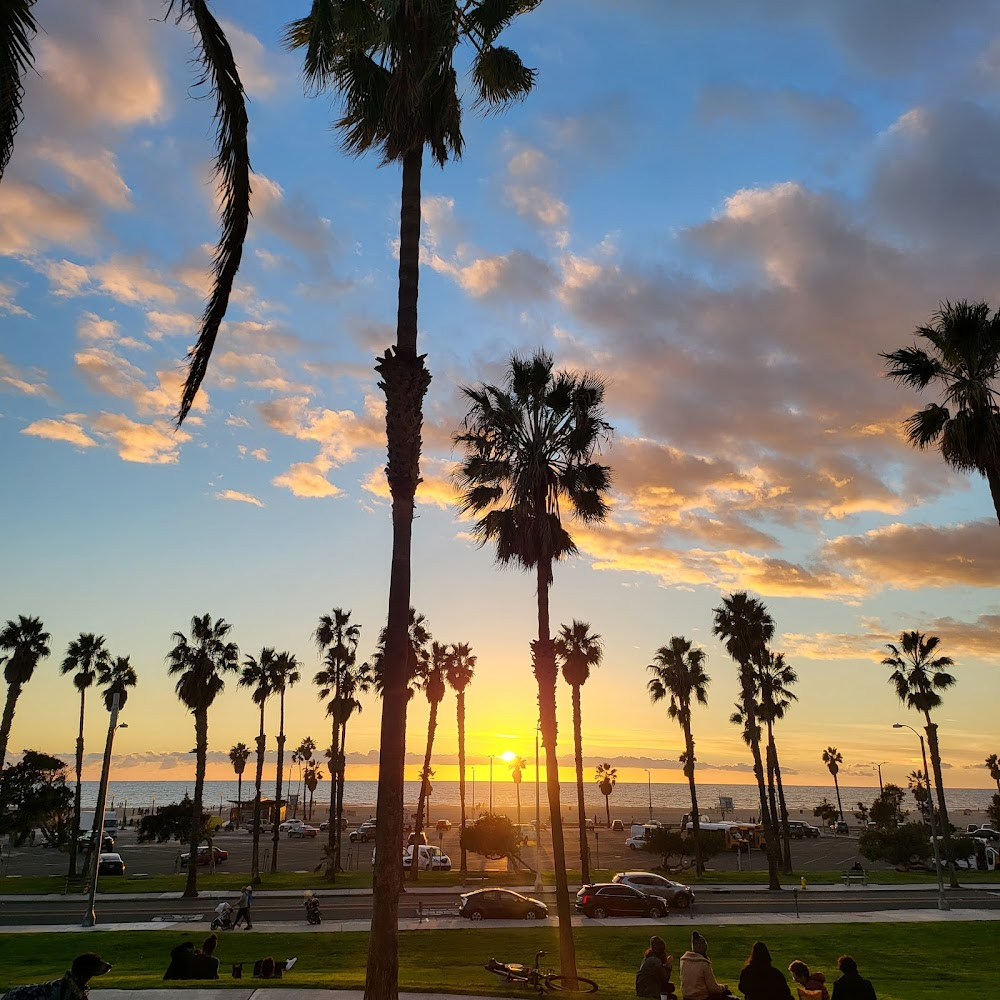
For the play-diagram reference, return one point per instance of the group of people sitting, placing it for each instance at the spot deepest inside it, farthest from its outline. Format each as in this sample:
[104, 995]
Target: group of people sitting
[759, 979]
[189, 962]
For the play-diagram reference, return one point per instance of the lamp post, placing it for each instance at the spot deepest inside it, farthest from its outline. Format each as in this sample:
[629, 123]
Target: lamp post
[473, 768]
[942, 902]
[878, 764]
[538, 817]
[491, 784]
[649, 788]
[90, 917]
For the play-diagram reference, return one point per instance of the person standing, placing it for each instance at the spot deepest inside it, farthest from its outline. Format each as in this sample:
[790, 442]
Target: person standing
[653, 978]
[760, 980]
[698, 980]
[851, 985]
[243, 907]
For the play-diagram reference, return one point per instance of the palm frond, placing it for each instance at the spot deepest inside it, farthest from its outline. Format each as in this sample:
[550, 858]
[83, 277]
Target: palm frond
[17, 30]
[232, 167]
[500, 78]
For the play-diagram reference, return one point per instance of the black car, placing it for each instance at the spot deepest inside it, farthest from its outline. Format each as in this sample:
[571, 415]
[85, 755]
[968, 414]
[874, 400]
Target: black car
[609, 899]
[110, 864]
[502, 904]
[985, 833]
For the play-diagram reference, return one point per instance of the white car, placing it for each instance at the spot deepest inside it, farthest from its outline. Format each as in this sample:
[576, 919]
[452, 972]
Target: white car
[432, 859]
[290, 824]
[636, 843]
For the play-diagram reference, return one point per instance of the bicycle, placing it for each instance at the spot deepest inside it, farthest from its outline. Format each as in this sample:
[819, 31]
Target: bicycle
[525, 975]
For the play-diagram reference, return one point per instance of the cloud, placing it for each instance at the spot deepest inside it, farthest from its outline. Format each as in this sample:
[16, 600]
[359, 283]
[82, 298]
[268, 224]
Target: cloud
[32, 217]
[8, 293]
[14, 379]
[526, 189]
[308, 479]
[156, 443]
[744, 105]
[96, 173]
[238, 497]
[436, 488]
[60, 430]
[517, 276]
[341, 433]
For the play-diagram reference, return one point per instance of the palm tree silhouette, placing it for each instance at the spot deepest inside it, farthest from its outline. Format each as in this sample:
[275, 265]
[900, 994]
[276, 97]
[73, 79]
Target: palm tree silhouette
[434, 689]
[27, 642]
[992, 764]
[355, 680]
[918, 675]
[116, 677]
[300, 755]
[517, 764]
[530, 446]
[579, 649]
[679, 674]
[745, 627]
[606, 777]
[84, 655]
[916, 781]
[461, 669]
[961, 359]
[257, 675]
[833, 758]
[394, 70]
[201, 665]
[776, 679]
[238, 757]
[285, 674]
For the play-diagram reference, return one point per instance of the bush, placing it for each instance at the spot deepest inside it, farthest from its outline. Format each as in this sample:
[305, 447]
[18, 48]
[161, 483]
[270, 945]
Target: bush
[904, 846]
[492, 837]
[677, 849]
[993, 811]
[826, 813]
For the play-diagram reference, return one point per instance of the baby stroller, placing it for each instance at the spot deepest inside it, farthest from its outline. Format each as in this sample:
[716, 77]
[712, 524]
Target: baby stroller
[223, 917]
[311, 903]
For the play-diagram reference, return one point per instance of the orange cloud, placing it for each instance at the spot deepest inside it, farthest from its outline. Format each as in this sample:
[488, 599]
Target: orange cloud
[156, 443]
[60, 430]
[238, 497]
[308, 479]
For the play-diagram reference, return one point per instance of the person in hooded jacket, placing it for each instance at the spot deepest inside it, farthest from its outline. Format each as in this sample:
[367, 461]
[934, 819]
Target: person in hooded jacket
[809, 982]
[698, 980]
[851, 985]
[653, 977]
[760, 980]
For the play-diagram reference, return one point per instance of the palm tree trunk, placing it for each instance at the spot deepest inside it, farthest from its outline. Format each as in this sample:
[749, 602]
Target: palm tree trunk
[461, 775]
[239, 792]
[255, 851]
[993, 478]
[786, 833]
[331, 830]
[404, 381]
[544, 657]
[581, 808]
[341, 778]
[422, 796]
[278, 782]
[607, 808]
[699, 864]
[201, 758]
[13, 693]
[840, 808]
[76, 799]
[772, 769]
[932, 746]
[750, 713]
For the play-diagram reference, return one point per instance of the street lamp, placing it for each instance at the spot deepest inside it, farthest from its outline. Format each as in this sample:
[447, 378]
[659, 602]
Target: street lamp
[878, 764]
[491, 784]
[90, 917]
[649, 788]
[942, 902]
[473, 768]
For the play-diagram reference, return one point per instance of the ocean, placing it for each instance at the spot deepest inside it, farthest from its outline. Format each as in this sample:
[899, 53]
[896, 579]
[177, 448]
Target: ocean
[626, 796]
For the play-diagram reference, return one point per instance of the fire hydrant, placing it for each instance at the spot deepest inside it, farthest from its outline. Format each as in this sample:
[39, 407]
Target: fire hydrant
[802, 883]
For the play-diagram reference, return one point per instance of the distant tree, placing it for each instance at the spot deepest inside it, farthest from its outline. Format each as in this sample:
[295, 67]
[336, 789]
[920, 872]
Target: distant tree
[434, 690]
[606, 777]
[917, 783]
[826, 812]
[33, 795]
[577, 650]
[27, 642]
[903, 846]
[357, 680]
[461, 670]
[992, 764]
[172, 821]
[257, 675]
[493, 837]
[517, 764]
[678, 851]
[312, 776]
[833, 758]
[862, 814]
[284, 674]
[993, 811]
[776, 698]
[301, 755]
[887, 809]
[238, 757]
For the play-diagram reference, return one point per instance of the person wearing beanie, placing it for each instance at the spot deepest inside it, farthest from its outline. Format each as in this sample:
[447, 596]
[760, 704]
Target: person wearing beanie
[698, 980]
[653, 977]
[759, 979]
[812, 985]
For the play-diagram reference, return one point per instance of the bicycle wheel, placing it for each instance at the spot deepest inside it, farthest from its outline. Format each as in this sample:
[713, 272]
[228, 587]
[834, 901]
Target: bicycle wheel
[569, 984]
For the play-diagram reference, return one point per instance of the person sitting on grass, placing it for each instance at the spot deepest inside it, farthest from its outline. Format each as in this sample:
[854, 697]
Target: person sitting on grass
[653, 977]
[205, 965]
[760, 980]
[74, 985]
[851, 985]
[181, 962]
[697, 977]
[812, 985]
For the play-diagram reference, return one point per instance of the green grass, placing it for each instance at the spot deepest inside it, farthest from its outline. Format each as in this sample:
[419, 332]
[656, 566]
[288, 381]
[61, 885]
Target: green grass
[905, 961]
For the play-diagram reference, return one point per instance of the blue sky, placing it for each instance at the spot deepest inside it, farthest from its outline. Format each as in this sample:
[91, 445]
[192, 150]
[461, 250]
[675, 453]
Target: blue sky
[726, 209]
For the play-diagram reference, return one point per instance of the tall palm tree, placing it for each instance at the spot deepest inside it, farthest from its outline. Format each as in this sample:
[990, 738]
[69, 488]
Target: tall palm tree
[393, 68]
[434, 689]
[232, 163]
[312, 777]
[745, 627]
[992, 764]
[606, 777]
[200, 665]
[833, 758]
[238, 757]
[578, 649]
[461, 669]
[776, 696]
[258, 676]
[116, 677]
[517, 764]
[679, 674]
[961, 359]
[337, 641]
[285, 674]
[357, 680]
[84, 655]
[530, 446]
[27, 642]
[918, 675]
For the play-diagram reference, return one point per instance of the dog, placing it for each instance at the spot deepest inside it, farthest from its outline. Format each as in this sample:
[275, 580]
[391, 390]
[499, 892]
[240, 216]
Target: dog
[74, 985]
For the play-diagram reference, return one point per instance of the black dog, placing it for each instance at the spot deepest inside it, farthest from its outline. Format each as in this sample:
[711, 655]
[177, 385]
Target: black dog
[74, 985]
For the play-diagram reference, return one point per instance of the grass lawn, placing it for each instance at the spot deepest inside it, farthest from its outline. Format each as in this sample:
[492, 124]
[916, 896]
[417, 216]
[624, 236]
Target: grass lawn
[905, 961]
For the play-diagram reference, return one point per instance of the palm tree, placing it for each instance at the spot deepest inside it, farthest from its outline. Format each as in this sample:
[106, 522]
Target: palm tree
[776, 679]
[84, 655]
[679, 674]
[434, 688]
[355, 681]
[302, 754]
[992, 763]
[27, 642]
[745, 627]
[258, 676]
[337, 640]
[579, 649]
[916, 781]
[833, 758]
[530, 446]
[312, 778]
[517, 764]
[461, 669]
[285, 673]
[962, 361]
[116, 677]
[918, 675]
[393, 67]
[201, 665]
[238, 757]
[606, 777]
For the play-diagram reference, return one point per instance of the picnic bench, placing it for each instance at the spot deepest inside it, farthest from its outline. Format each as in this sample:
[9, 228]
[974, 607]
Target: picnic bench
[425, 912]
[855, 876]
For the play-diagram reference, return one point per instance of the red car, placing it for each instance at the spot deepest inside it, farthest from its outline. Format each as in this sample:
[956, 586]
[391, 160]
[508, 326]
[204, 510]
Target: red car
[204, 857]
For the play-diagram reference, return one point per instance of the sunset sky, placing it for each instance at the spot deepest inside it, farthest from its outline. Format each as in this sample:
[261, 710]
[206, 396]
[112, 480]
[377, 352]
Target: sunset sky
[726, 209]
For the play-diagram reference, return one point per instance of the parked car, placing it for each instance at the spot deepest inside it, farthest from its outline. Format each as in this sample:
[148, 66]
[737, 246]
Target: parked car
[432, 859]
[677, 895]
[110, 864]
[303, 831]
[618, 825]
[841, 827]
[289, 824]
[265, 827]
[443, 825]
[609, 899]
[204, 857]
[325, 825]
[485, 904]
[636, 843]
[413, 838]
[364, 833]
[107, 841]
[985, 833]
[798, 830]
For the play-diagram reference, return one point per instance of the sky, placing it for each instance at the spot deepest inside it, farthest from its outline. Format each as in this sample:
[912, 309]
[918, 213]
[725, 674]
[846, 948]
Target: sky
[726, 210]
